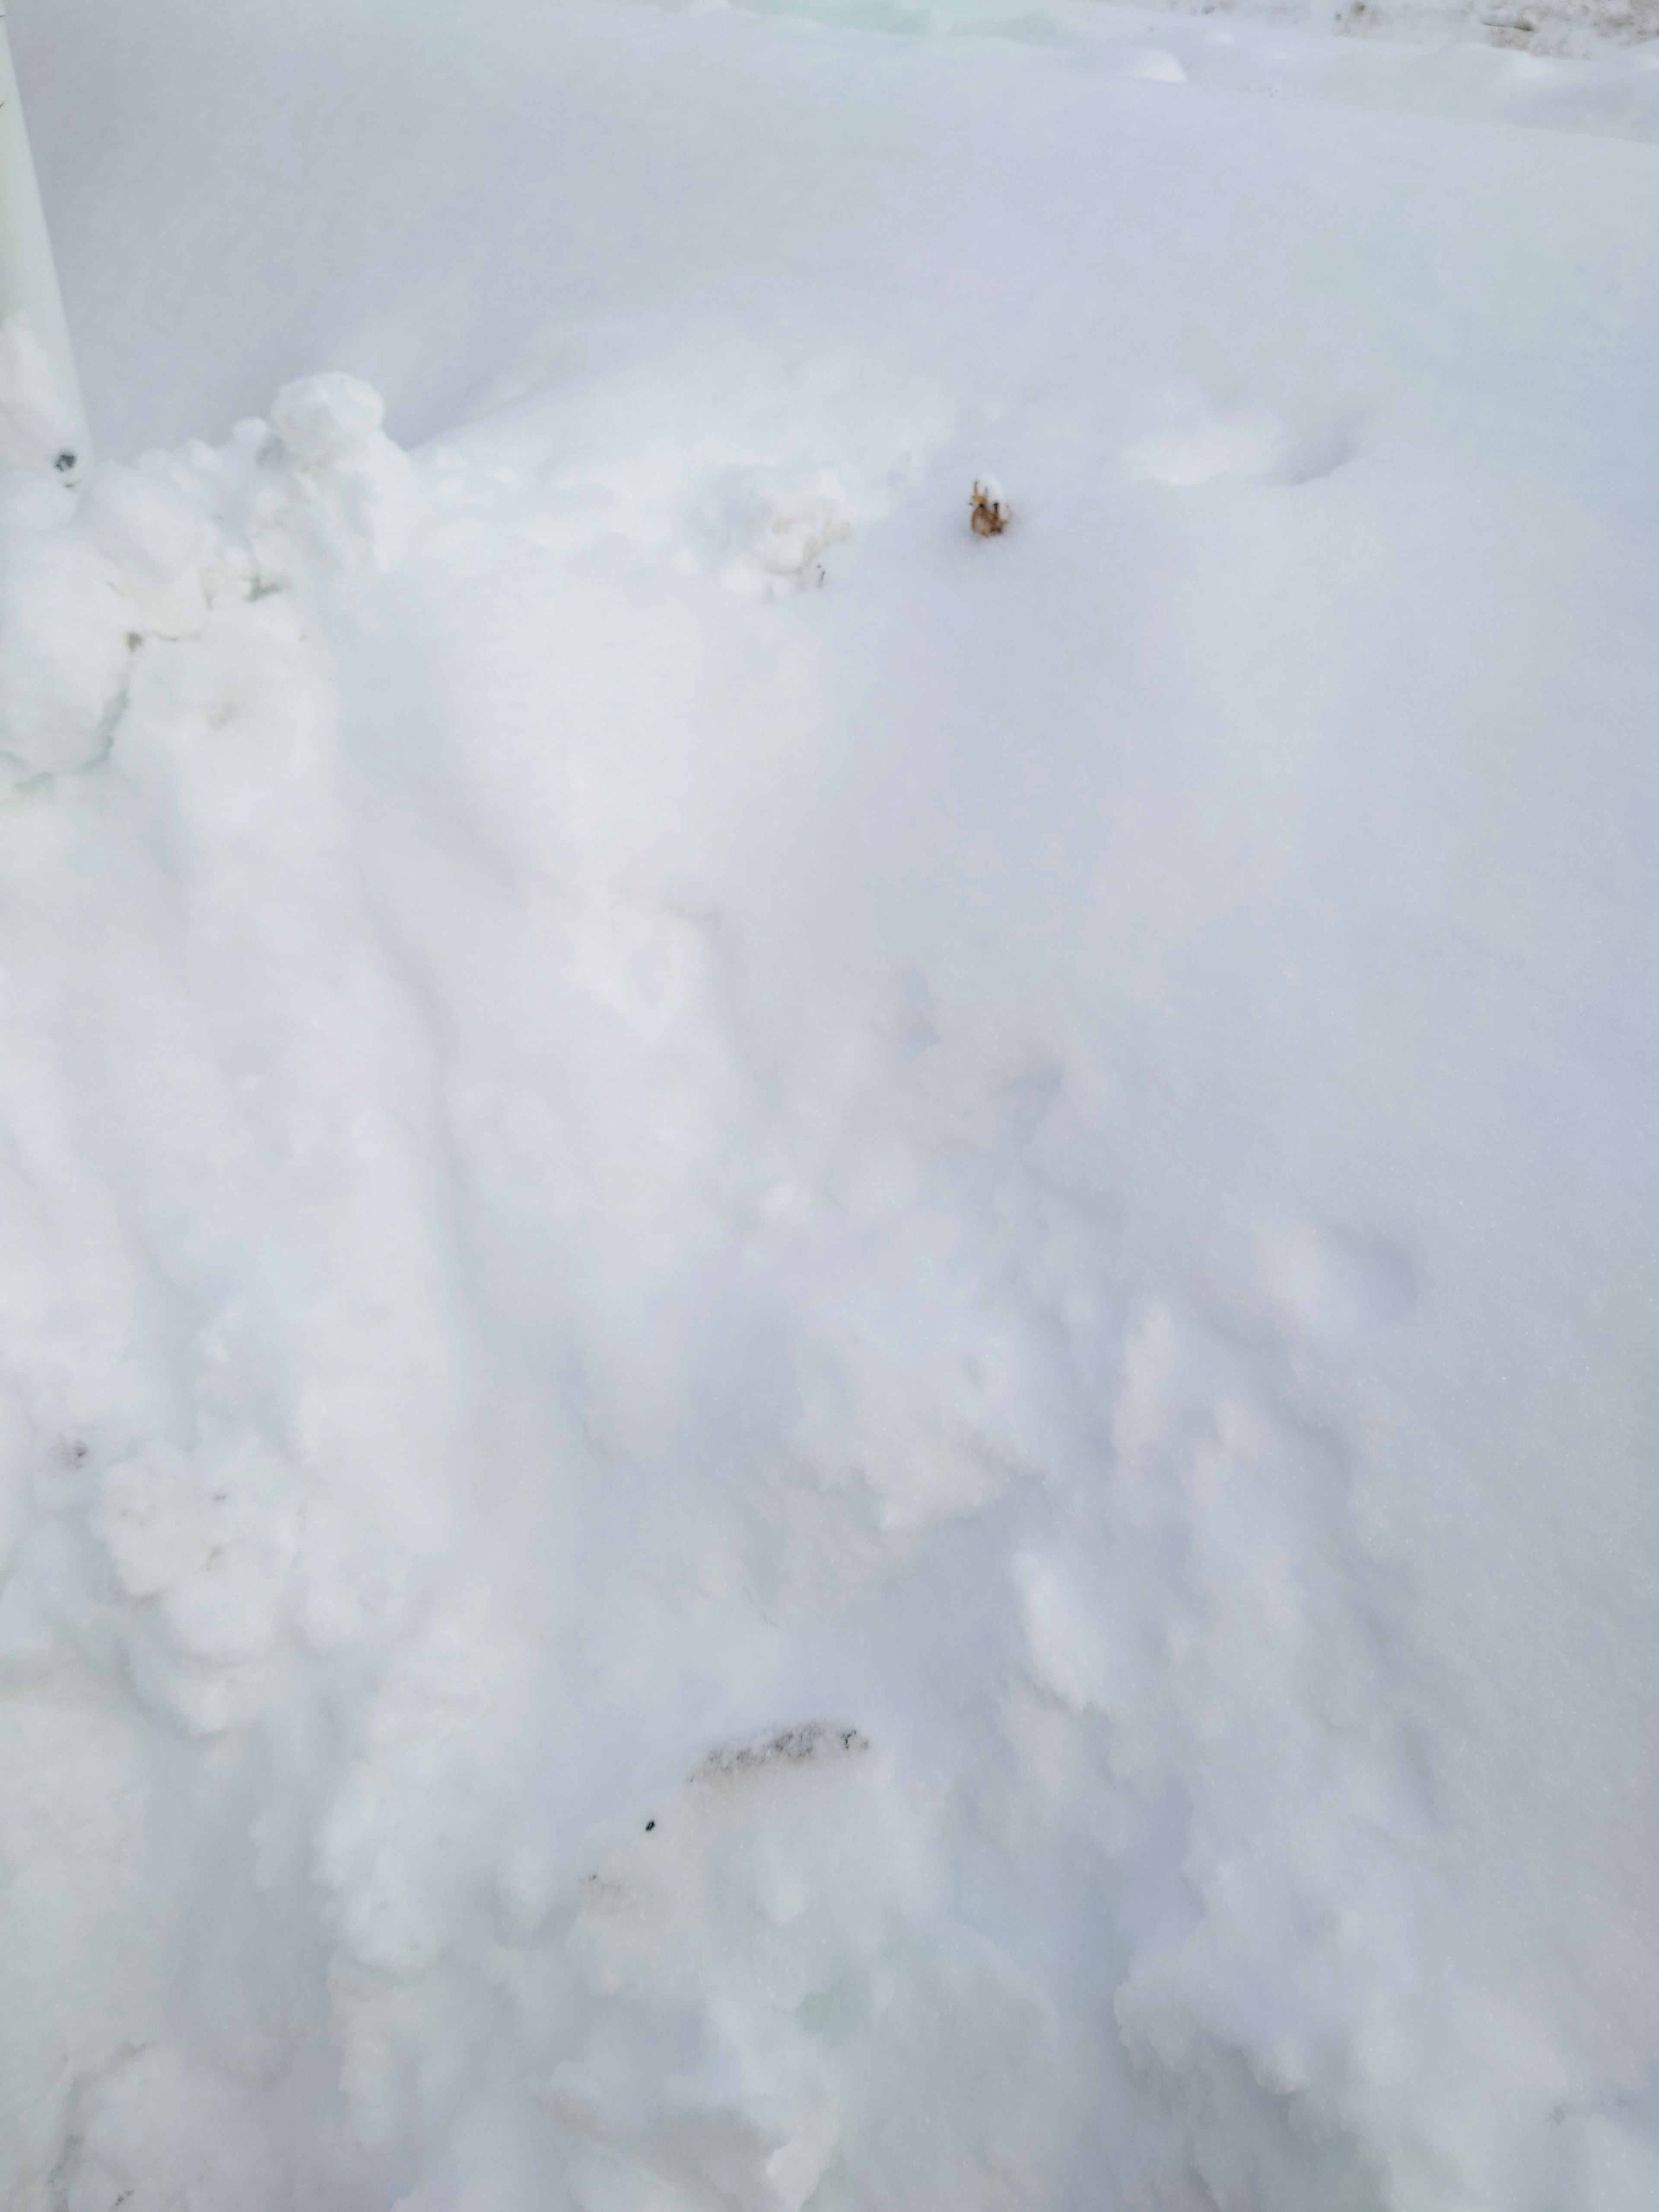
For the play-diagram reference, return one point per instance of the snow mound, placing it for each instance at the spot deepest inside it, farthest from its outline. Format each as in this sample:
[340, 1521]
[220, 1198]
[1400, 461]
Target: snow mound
[476, 1284]
[825, 1350]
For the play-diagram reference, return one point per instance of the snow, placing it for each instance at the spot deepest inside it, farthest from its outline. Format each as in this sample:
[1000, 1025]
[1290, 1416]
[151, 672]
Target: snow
[827, 1349]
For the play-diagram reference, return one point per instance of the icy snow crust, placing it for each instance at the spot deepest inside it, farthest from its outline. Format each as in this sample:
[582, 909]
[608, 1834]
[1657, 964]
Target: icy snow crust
[827, 1348]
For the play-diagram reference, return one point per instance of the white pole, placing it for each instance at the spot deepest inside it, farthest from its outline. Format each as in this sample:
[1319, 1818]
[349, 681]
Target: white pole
[28, 278]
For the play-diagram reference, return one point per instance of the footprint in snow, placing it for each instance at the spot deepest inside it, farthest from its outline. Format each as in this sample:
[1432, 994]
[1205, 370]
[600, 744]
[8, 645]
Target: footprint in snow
[1335, 1285]
[1247, 444]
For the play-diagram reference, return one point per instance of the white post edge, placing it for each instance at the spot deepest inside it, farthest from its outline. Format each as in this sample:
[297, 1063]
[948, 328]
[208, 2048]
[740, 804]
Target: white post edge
[28, 275]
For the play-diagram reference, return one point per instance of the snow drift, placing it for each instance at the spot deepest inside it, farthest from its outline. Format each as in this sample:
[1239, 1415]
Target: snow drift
[828, 1348]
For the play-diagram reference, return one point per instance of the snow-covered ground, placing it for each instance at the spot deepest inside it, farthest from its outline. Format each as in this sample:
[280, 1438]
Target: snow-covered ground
[830, 1351]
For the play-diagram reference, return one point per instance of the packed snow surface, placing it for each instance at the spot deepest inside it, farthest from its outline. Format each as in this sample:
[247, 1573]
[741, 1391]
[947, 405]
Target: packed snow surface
[828, 1344]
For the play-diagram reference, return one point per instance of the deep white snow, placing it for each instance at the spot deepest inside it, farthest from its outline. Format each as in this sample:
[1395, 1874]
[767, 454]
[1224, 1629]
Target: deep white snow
[827, 1348]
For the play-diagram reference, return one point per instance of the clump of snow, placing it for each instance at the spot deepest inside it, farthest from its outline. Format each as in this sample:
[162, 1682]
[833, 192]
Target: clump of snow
[333, 496]
[323, 499]
[126, 561]
[836, 1399]
[770, 529]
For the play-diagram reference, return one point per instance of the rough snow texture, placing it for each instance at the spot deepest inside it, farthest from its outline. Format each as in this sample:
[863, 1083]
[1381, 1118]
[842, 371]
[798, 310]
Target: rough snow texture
[1579, 28]
[827, 1349]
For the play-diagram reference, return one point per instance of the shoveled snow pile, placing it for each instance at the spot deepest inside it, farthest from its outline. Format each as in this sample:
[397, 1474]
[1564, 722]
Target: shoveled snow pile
[828, 1348]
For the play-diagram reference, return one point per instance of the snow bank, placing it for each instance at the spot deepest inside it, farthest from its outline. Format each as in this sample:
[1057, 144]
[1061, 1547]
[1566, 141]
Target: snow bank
[826, 1347]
